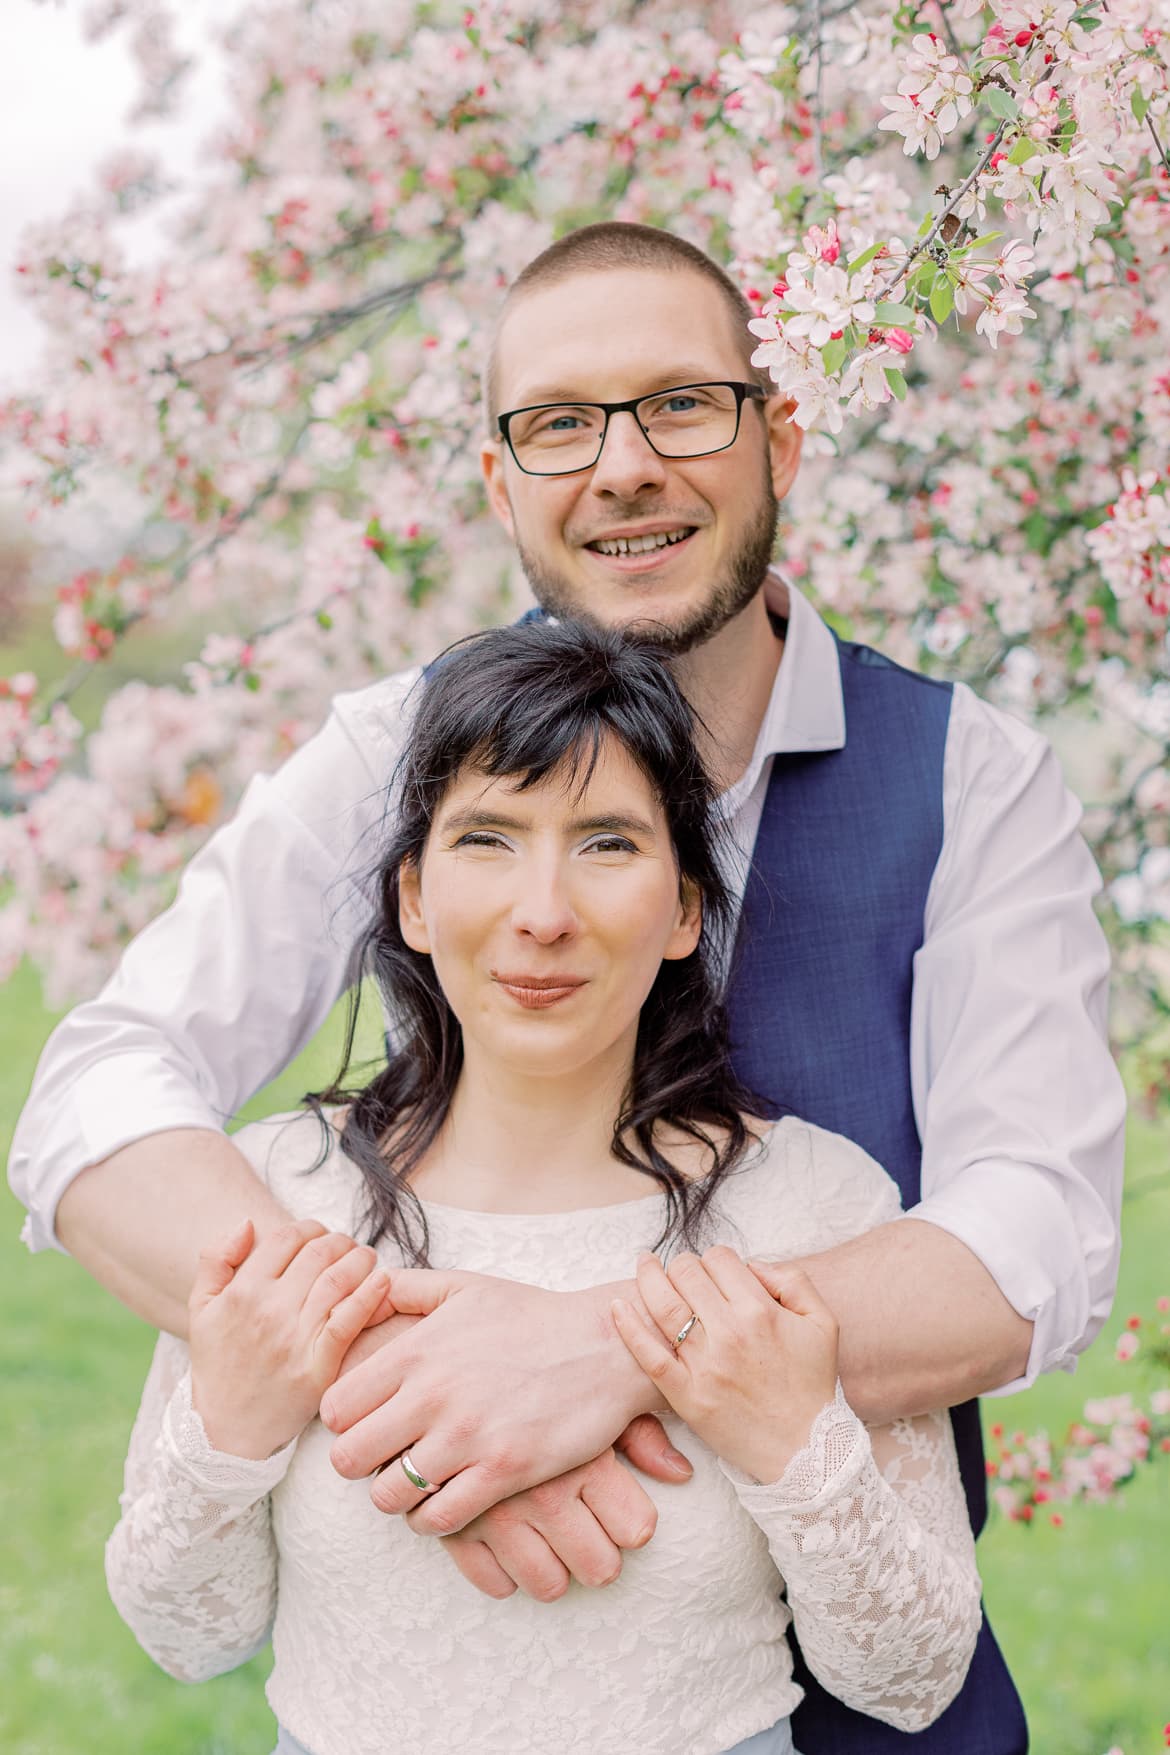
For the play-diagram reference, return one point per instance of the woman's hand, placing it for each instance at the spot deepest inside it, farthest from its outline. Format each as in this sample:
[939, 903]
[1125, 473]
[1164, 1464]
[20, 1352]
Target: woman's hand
[756, 1368]
[270, 1326]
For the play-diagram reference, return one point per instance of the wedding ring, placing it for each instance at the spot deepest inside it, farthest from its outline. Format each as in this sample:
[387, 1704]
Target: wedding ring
[413, 1476]
[683, 1332]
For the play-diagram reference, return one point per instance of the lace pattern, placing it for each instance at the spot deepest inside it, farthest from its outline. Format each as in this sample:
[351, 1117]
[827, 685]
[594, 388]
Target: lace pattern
[685, 1653]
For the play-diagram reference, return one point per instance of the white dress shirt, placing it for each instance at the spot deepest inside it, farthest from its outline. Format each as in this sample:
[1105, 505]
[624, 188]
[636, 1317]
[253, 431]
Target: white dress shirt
[1018, 1103]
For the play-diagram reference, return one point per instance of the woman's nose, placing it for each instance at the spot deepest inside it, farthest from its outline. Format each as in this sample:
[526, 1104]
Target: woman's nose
[544, 909]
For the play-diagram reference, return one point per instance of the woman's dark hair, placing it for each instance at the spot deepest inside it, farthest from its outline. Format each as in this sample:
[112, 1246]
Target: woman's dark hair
[532, 700]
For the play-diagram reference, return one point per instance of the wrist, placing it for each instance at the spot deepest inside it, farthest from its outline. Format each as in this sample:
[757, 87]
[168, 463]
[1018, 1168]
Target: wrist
[232, 1432]
[633, 1391]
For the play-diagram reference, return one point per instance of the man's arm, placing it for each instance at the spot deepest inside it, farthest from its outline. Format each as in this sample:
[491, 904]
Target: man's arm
[209, 1003]
[1019, 1105]
[138, 1221]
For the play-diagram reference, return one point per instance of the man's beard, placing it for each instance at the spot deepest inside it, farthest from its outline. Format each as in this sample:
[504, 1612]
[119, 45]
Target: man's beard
[742, 577]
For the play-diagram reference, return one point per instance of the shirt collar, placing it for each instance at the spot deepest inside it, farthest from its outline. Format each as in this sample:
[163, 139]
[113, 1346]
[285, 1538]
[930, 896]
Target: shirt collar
[806, 709]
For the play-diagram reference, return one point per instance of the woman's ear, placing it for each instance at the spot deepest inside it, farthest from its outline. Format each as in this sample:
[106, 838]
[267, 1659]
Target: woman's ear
[688, 924]
[411, 920]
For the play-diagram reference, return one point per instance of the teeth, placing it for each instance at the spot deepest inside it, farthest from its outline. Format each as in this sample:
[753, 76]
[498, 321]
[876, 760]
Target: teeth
[638, 545]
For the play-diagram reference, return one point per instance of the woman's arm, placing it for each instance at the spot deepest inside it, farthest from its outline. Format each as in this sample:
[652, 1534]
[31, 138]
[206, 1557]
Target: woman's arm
[871, 1535]
[872, 1539]
[191, 1566]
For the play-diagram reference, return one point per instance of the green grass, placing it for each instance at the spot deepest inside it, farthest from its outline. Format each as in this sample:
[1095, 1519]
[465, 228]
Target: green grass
[1083, 1613]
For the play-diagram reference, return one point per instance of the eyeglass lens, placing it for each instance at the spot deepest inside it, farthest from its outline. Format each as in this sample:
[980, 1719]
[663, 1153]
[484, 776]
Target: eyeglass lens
[678, 423]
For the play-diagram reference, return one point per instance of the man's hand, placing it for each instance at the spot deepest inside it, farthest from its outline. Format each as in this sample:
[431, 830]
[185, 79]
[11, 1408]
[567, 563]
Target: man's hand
[502, 1386]
[573, 1527]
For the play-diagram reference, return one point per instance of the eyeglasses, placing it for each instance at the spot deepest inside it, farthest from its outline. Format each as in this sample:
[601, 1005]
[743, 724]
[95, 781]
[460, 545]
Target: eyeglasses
[690, 420]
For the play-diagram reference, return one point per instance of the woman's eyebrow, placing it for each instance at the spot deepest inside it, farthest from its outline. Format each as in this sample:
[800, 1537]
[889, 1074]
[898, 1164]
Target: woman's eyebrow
[485, 819]
[615, 825]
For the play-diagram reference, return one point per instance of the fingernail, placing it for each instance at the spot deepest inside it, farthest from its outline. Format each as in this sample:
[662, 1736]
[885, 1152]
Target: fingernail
[678, 1462]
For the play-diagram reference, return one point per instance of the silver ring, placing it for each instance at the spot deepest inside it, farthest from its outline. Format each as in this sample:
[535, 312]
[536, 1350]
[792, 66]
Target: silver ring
[683, 1332]
[413, 1476]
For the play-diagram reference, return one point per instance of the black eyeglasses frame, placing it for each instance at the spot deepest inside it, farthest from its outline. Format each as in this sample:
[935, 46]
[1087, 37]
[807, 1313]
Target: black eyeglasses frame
[742, 392]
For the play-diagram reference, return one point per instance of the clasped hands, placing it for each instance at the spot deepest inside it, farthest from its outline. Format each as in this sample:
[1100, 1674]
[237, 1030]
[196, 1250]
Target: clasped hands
[506, 1395]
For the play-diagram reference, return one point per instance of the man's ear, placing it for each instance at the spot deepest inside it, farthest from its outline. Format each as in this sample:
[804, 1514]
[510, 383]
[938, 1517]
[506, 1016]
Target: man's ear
[784, 442]
[491, 461]
[688, 924]
[411, 920]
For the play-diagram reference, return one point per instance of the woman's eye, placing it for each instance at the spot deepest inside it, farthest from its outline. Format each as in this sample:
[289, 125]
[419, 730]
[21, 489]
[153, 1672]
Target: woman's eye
[480, 838]
[612, 844]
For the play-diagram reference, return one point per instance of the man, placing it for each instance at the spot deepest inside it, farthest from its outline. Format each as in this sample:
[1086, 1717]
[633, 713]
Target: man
[918, 966]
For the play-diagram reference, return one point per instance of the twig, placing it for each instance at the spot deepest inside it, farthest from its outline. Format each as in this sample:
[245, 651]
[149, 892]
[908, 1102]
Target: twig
[1158, 143]
[924, 244]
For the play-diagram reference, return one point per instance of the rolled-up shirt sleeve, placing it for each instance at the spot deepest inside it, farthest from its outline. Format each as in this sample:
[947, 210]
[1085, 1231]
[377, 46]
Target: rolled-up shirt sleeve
[1019, 1104]
[219, 993]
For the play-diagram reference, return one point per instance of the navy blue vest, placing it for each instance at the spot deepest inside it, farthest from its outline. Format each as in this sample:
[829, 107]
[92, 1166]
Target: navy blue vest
[820, 1007]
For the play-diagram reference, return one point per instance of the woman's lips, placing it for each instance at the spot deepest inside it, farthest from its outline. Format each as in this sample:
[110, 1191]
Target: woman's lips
[538, 992]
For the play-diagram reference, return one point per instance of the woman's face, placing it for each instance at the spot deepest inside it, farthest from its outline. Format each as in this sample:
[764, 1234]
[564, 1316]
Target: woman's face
[548, 912]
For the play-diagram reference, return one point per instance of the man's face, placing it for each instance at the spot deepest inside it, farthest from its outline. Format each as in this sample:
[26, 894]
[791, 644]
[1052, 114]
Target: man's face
[606, 336]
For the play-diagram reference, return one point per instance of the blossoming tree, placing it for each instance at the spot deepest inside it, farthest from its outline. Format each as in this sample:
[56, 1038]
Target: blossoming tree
[953, 221]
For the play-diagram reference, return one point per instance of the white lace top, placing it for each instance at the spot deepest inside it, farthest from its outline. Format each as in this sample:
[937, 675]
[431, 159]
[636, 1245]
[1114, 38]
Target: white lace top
[865, 1536]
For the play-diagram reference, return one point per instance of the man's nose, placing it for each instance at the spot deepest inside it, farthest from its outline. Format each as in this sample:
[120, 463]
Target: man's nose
[544, 908]
[629, 464]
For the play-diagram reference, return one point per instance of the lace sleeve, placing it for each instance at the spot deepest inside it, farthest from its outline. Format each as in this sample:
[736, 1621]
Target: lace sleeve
[870, 1532]
[191, 1566]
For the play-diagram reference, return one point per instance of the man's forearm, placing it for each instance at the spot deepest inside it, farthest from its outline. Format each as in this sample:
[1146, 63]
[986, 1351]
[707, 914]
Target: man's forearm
[137, 1220]
[923, 1324]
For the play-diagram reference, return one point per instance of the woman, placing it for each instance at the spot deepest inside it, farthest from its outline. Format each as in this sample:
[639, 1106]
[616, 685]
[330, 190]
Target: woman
[560, 1105]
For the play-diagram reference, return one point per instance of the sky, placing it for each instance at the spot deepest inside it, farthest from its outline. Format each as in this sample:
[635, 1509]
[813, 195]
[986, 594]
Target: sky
[63, 107]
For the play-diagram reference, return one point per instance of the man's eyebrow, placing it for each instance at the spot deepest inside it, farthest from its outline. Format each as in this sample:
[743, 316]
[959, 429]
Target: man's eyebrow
[658, 380]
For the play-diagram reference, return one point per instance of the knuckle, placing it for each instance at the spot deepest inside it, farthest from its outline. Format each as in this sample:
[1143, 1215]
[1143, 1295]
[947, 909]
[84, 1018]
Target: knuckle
[439, 1519]
[549, 1590]
[601, 1572]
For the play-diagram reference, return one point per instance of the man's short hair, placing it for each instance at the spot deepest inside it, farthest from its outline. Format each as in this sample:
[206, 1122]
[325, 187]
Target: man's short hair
[618, 244]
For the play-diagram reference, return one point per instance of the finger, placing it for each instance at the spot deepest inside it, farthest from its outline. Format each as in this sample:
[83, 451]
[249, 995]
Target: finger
[462, 1498]
[694, 1285]
[733, 1277]
[664, 1304]
[274, 1252]
[519, 1554]
[648, 1348]
[347, 1319]
[577, 1545]
[334, 1281]
[366, 1388]
[419, 1291]
[218, 1263]
[791, 1286]
[621, 1505]
[381, 1435]
[310, 1262]
[392, 1491]
[479, 1566]
[645, 1444]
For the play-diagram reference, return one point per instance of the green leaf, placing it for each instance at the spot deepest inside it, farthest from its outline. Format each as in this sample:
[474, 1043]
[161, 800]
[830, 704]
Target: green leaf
[252, 682]
[922, 279]
[833, 354]
[324, 619]
[887, 313]
[1022, 151]
[896, 382]
[865, 257]
[1001, 103]
[987, 238]
[1138, 104]
[942, 299]
[925, 226]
